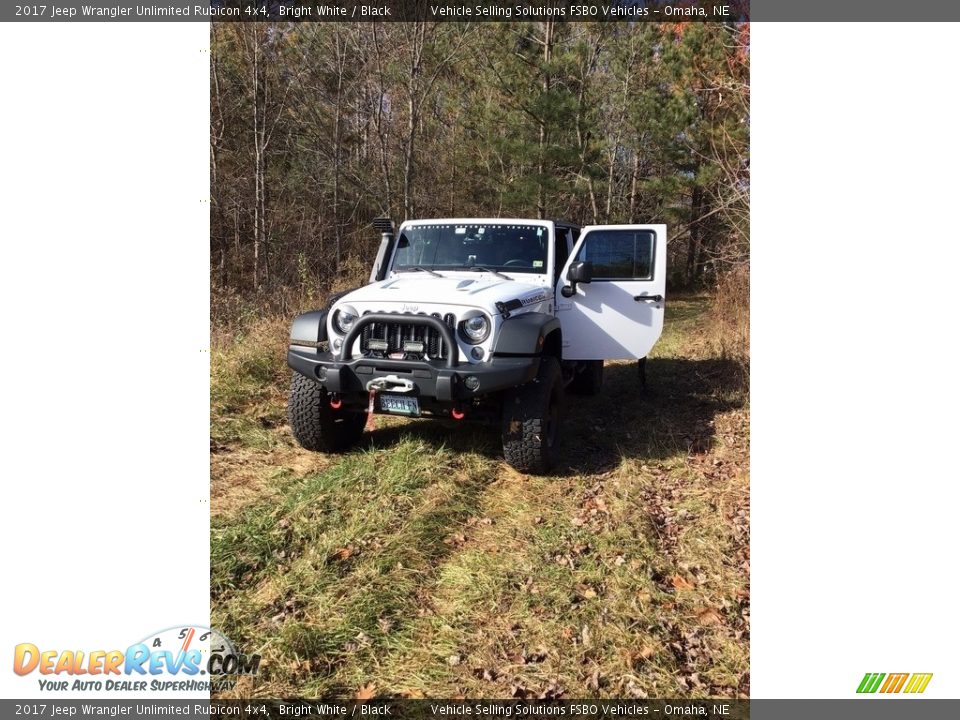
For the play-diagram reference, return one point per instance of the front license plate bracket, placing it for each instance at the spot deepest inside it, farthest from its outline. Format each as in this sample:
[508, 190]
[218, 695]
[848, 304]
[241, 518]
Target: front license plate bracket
[399, 404]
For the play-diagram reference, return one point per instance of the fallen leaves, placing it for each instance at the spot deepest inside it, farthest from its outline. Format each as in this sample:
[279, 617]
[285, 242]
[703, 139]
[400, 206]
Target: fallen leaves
[367, 692]
[681, 583]
[341, 554]
[536, 656]
[455, 540]
[593, 684]
[592, 507]
[485, 673]
[552, 691]
[586, 592]
[709, 616]
[586, 636]
[290, 607]
[633, 658]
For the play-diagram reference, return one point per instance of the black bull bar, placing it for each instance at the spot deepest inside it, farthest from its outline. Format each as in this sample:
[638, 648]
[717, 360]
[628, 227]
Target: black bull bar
[446, 332]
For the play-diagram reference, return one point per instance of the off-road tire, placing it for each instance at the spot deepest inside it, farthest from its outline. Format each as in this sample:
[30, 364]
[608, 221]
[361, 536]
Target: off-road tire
[531, 420]
[589, 380]
[315, 424]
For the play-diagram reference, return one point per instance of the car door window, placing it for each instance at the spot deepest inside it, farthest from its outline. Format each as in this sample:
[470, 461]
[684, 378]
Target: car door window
[619, 254]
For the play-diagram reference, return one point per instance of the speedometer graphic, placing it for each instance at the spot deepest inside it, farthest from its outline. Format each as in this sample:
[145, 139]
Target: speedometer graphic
[193, 650]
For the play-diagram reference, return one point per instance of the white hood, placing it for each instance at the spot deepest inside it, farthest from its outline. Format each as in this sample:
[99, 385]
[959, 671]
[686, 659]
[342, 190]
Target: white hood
[412, 290]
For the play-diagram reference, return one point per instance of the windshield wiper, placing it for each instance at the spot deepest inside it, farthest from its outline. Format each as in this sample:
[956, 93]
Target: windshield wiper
[418, 268]
[481, 268]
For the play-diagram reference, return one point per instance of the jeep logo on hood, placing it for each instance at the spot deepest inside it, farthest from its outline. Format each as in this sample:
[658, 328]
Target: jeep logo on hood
[410, 308]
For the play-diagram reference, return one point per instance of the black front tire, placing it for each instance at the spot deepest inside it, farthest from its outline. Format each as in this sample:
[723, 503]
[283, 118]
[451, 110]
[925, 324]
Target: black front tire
[315, 424]
[531, 420]
[589, 379]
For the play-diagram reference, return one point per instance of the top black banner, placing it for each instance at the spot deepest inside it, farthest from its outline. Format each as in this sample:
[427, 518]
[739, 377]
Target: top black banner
[383, 11]
[478, 11]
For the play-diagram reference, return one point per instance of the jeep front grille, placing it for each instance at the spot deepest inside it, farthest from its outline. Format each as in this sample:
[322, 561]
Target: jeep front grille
[388, 338]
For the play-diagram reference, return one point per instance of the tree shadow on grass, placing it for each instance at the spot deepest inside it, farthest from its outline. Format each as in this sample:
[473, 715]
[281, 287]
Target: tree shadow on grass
[674, 414]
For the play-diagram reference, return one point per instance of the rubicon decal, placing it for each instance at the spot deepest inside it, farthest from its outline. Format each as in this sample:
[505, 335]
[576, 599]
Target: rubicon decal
[181, 658]
[894, 682]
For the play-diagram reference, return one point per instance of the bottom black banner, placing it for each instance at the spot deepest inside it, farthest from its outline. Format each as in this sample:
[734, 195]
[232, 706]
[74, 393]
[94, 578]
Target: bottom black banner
[873, 708]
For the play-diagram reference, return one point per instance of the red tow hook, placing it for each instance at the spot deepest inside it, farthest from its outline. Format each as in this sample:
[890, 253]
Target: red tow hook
[457, 413]
[335, 401]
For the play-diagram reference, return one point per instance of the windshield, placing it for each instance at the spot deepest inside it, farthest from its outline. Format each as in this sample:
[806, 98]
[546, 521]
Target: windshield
[491, 246]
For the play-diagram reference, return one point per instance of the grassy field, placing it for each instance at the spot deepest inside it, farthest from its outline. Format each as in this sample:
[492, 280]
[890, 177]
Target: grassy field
[421, 565]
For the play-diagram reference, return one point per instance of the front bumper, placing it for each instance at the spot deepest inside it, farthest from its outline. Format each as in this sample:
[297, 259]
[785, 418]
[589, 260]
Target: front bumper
[431, 379]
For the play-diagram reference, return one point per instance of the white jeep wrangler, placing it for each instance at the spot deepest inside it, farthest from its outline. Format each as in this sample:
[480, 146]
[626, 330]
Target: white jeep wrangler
[477, 319]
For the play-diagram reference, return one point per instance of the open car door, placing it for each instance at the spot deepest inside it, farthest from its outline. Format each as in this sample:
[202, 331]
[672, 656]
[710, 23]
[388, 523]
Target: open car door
[610, 296]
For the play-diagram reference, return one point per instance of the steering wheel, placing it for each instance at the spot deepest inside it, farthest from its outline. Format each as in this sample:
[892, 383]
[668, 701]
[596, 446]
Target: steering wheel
[517, 262]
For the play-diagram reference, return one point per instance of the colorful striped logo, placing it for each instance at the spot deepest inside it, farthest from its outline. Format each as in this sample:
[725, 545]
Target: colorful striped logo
[894, 682]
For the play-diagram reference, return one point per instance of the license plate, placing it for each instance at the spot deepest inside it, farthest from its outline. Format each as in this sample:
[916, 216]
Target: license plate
[399, 405]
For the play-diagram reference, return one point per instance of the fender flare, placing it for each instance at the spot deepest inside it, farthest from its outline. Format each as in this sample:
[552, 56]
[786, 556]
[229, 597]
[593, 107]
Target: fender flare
[310, 328]
[525, 334]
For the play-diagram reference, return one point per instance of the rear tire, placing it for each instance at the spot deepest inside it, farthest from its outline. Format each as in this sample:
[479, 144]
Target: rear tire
[589, 380]
[531, 420]
[315, 424]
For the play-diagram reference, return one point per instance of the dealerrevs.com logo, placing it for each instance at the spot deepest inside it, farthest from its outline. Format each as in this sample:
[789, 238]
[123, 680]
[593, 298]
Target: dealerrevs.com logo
[181, 659]
[910, 683]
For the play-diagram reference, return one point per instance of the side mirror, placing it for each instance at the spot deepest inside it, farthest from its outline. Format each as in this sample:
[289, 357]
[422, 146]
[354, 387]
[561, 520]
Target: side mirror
[578, 272]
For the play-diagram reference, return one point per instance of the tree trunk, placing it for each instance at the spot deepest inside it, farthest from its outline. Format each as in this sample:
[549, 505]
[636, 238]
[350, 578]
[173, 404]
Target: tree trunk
[613, 164]
[337, 134]
[693, 243]
[542, 135]
[408, 167]
[633, 186]
[218, 225]
[413, 116]
[380, 126]
[257, 163]
[582, 144]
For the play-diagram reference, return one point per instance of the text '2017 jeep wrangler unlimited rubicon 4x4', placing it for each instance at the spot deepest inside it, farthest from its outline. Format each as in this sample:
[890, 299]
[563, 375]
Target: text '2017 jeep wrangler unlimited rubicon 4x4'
[478, 319]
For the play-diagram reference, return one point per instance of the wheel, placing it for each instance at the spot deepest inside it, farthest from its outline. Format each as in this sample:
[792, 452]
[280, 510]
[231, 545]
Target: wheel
[531, 420]
[315, 424]
[589, 379]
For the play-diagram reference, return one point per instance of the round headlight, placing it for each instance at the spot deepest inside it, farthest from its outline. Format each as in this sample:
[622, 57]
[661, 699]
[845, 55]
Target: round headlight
[343, 320]
[475, 329]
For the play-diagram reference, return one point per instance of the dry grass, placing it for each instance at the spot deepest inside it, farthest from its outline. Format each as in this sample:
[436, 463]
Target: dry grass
[730, 318]
[422, 565]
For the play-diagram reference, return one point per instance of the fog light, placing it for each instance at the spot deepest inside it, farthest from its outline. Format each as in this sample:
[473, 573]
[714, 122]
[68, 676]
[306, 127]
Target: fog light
[477, 353]
[412, 346]
[472, 382]
[323, 373]
[337, 344]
